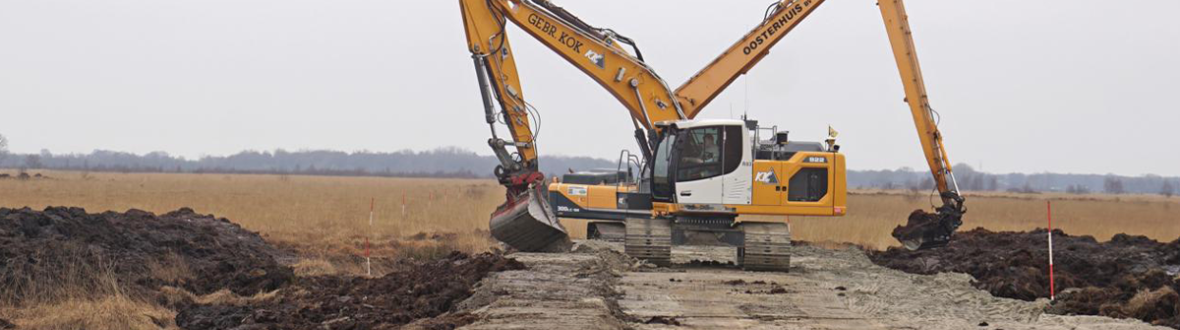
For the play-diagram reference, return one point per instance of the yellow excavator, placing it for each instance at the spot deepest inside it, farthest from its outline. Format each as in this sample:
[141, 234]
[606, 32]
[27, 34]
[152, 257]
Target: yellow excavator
[696, 175]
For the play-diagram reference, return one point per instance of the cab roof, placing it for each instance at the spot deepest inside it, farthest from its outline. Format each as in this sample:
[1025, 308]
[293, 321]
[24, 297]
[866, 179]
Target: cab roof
[682, 124]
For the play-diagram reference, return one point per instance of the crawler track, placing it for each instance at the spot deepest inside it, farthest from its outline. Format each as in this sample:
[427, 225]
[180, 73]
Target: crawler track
[649, 240]
[767, 247]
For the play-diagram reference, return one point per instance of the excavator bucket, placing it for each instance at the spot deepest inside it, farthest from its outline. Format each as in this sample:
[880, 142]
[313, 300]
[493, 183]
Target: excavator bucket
[926, 230]
[527, 223]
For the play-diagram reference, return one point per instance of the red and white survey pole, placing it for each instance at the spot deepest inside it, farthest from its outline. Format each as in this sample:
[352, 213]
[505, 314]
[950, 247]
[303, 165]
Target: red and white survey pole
[368, 260]
[1052, 289]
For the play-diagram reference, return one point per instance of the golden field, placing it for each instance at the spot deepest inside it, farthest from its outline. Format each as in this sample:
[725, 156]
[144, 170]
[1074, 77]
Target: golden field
[874, 214]
[313, 214]
[330, 215]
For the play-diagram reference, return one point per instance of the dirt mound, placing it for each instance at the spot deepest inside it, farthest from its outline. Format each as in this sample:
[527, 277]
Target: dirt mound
[23, 176]
[143, 251]
[1126, 277]
[414, 290]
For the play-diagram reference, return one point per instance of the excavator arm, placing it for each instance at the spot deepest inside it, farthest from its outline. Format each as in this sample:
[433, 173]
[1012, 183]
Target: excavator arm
[524, 221]
[924, 230]
[598, 53]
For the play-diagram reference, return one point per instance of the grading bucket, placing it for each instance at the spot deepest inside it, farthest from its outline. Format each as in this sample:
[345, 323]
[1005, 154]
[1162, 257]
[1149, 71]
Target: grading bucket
[528, 224]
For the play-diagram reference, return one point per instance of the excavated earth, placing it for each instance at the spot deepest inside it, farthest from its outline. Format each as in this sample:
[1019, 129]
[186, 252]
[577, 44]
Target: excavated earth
[152, 255]
[414, 290]
[136, 245]
[1127, 277]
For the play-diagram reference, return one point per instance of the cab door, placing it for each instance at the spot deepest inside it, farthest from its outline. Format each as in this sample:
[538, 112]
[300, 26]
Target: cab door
[737, 158]
[699, 170]
[768, 183]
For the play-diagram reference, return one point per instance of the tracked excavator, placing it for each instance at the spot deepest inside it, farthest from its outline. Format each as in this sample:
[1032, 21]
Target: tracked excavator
[696, 176]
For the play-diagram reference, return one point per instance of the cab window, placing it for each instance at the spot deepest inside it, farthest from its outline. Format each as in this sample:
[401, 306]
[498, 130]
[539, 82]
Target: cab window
[699, 154]
[733, 148]
[662, 185]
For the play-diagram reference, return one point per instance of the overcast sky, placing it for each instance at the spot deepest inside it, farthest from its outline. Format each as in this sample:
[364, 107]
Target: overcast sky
[1075, 86]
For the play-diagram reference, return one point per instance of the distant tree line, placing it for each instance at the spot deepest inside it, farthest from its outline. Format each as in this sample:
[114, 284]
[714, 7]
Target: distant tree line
[459, 163]
[446, 162]
[971, 180]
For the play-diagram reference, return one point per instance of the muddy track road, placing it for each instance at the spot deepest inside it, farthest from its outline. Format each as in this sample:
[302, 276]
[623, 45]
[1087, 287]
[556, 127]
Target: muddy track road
[596, 287]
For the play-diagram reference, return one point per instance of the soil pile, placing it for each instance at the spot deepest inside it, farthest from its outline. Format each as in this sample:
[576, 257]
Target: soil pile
[22, 176]
[1128, 277]
[414, 290]
[199, 253]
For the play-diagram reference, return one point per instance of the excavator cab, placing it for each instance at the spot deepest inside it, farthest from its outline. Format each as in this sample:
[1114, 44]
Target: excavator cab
[695, 159]
[725, 166]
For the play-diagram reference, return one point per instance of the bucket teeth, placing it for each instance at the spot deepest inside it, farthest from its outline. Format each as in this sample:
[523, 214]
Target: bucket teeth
[529, 225]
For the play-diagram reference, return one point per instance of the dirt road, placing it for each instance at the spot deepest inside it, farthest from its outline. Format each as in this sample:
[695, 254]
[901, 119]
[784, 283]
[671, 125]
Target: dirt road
[598, 288]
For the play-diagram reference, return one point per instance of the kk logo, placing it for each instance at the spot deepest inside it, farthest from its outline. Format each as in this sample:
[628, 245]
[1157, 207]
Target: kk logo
[597, 59]
[767, 177]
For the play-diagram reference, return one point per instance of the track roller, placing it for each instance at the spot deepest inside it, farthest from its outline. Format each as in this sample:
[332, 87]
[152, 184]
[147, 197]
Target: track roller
[766, 247]
[649, 239]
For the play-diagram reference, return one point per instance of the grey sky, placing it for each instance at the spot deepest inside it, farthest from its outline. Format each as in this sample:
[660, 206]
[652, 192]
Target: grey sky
[1022, 86]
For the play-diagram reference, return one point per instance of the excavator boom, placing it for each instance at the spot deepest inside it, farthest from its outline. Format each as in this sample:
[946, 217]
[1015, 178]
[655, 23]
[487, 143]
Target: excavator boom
[525, 220]
[923, 230]
[738, 59]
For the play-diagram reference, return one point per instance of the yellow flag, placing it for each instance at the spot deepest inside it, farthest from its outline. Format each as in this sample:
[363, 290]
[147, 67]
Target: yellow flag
[832, 132]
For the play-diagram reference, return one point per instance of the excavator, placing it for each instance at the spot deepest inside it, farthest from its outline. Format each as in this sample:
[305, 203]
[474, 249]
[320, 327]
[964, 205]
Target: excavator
[697, 176]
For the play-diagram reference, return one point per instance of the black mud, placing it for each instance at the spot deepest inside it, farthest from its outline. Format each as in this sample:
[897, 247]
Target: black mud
[144, 251]
[415, 290]
[1127, 277]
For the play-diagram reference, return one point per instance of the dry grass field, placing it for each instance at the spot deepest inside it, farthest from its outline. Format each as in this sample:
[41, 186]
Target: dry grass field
[874, 214]
[330, 215]
[312, 214]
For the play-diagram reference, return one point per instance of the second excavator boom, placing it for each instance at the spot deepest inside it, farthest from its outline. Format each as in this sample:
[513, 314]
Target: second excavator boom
[923, 230]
